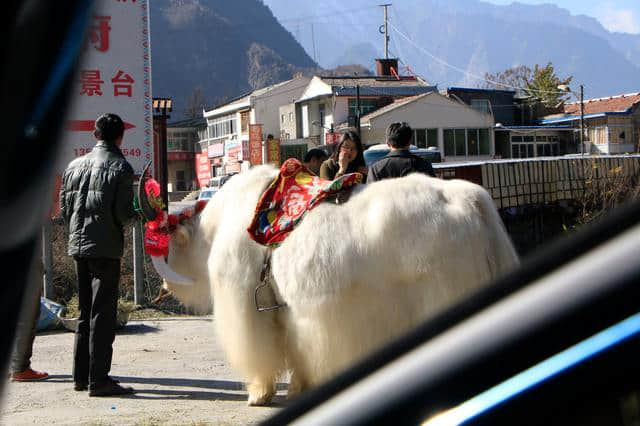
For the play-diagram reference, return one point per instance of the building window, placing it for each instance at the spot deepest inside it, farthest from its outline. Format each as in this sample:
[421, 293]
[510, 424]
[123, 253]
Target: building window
[485, 144]
[449, 142]
[534, 146]
[472, 142]
[282, 118]
[321, 110]
[244, 122]
[366, 106]
[482, 105]
[222, 126]
[424, 138]
[466, 142]
[291, 117]
[432, 138]
[181, 140]
[460, 142]
[420, 138]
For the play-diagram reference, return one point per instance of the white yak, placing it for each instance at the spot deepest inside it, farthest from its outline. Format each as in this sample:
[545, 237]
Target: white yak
[352, 276]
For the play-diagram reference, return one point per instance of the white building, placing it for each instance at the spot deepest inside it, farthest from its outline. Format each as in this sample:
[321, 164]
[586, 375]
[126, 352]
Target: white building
[331, 102]
[228, 125]
[460, 132]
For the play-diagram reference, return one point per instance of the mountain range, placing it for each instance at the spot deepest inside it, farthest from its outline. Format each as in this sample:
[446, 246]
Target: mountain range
[453, 42]
[219, 49]
[223, 49]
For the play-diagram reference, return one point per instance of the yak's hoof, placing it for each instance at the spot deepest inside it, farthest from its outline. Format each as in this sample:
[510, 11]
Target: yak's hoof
[258, 395]
[259, 400]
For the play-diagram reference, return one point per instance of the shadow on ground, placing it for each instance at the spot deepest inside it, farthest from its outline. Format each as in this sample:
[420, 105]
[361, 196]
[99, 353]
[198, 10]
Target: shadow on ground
[137, 329]
[222, 390]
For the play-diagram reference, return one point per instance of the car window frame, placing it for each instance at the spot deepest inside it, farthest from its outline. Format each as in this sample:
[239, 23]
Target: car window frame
[536, 267]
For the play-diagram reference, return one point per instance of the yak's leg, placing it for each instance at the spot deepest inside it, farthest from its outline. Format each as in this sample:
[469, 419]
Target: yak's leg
[297, 385]
[261, 391]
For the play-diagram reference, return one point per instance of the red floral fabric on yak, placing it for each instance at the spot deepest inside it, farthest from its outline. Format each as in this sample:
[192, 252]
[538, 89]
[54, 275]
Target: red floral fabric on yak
[289, 198]
[157, 234]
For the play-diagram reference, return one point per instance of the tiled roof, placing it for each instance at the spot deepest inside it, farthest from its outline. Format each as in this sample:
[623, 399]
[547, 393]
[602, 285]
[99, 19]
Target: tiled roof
[620, 103]
[395, 104]
[377, 85]
[189, 122]
[372, 81]
[383, 90]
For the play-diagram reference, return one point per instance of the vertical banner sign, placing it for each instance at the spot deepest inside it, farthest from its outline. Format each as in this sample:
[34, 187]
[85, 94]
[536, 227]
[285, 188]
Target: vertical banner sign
[203, 170]
[255, 144]
[245, 151]
[273, 151]
[114, 76]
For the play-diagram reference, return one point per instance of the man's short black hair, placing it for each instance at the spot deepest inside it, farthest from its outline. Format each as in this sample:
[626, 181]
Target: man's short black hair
[315, 153]
[399, 135]
[109, 127]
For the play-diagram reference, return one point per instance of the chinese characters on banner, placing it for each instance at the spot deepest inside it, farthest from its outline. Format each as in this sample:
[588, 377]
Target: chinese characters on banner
[273, 151]
[113, 76]
[245, 150]
[233, 152]
[203, 170]
[255, 144]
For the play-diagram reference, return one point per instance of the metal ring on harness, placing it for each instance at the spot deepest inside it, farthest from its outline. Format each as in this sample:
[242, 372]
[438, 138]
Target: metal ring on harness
[264, 276]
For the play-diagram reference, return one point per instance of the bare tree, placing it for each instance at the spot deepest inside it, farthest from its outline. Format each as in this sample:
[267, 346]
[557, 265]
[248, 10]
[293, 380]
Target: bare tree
[515, 78]
[195, 104]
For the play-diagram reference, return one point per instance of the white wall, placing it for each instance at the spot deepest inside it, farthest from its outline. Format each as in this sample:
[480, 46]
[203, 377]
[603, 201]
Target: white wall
[315, 88]
[267, 105]
[289, 125]
[341, 110]
[305, 120]
[432, 111]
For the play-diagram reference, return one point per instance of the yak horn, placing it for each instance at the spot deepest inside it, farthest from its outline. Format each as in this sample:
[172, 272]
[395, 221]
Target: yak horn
[169, 274]
[148, 211]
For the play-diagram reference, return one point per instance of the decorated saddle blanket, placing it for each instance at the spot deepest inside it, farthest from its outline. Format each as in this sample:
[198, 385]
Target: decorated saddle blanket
[293, 193]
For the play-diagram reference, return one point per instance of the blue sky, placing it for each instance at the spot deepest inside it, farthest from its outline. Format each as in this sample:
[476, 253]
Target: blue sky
[615, 15]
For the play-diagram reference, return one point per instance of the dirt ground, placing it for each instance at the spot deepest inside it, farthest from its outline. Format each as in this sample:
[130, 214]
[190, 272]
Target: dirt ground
[175, 364]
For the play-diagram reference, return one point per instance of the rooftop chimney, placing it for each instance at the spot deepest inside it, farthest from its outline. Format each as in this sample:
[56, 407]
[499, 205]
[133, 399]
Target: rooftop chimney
[383, 67]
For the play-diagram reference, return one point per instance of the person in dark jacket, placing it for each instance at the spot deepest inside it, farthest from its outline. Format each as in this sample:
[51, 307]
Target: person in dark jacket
[314, 158]
[96, 200]
[346, 158]
[399, 161]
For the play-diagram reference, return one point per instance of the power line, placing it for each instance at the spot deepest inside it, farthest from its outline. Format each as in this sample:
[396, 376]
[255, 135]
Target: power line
[335, 13]
[443, 62]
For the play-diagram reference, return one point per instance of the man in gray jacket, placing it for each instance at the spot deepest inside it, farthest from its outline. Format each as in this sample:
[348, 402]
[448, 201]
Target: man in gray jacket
[96, 200]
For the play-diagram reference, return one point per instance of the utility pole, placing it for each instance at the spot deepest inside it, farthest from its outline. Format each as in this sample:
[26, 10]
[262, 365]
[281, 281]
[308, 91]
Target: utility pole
[581, 119]
[386, 32]
[313, 41]
[358, 109]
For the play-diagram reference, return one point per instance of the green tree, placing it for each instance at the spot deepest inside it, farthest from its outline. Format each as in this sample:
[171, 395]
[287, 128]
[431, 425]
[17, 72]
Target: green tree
[543, 86]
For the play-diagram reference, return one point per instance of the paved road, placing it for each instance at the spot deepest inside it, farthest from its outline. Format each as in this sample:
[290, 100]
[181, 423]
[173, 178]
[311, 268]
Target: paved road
[175, 364]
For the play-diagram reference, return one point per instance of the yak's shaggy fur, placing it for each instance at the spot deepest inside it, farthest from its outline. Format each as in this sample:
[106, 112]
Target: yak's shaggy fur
[352, 276]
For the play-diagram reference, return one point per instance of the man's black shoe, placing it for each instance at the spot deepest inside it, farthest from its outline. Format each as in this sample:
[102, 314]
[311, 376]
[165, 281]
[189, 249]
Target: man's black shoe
[110, 388]
[80, 386]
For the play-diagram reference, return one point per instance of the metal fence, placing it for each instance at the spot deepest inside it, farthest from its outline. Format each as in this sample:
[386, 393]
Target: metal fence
[513, 183]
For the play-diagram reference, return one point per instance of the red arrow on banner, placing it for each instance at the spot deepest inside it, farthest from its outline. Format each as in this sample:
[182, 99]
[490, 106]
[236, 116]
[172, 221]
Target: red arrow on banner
[89, 125]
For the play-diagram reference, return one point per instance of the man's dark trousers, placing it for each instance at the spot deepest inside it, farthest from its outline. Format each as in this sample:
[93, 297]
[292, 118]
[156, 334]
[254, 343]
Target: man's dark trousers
[98, 280]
